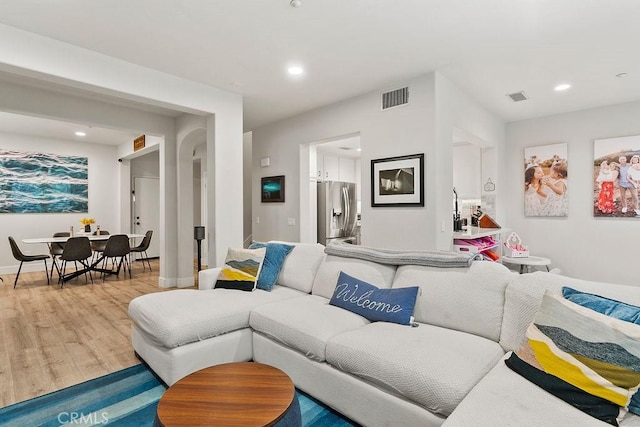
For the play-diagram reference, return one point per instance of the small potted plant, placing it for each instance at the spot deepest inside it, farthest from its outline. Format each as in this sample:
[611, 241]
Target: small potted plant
[87, 224]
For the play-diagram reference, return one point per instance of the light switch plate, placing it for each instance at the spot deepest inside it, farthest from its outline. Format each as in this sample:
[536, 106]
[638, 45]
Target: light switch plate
[291, 222]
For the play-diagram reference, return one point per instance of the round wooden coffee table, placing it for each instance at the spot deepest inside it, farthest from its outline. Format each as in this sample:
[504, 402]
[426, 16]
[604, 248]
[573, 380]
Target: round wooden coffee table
[232, 394]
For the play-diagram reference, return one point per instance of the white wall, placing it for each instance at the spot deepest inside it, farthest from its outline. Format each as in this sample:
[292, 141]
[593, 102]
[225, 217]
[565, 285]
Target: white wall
[467, 171]
[147, 166]
[409, 129]
[247, 177]
[582, 246]
[103, 198]
[457, 113]
[395, 132]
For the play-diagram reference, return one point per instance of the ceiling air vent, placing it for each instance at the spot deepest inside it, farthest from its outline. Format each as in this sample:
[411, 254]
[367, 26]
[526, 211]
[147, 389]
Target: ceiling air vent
[518, 96]
[395, 98]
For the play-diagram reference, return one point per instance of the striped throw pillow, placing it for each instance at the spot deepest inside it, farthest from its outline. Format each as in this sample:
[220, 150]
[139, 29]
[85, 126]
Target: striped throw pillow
[612, 308]
[588, 352]
[241, 269]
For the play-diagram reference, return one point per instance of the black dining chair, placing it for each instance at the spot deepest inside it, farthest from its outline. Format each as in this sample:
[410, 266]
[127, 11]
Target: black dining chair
[117, 247]
[142, 249]
[18, 255]
[77, 249]
[55, 250]
[97, 246]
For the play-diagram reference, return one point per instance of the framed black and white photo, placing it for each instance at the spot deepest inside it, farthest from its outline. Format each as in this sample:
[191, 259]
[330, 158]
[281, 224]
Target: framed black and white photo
[398, 181]
[272, 189]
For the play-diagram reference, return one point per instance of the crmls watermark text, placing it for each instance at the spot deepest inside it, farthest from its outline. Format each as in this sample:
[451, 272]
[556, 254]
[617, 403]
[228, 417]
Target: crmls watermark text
[80, 418]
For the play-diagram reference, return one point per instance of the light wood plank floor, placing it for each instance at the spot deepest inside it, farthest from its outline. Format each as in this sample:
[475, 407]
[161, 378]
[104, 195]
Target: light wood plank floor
[53, 338]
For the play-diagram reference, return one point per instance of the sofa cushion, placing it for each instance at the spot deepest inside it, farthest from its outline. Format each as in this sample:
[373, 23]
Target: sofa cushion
[300, 266]
[305, 324]
[465, 299]
[376, 274]
[591, 353]
[505, 398]
[273, 260]
[432, 366]
[384, 305]
[174, 318]
[524, 294]
[241, 269]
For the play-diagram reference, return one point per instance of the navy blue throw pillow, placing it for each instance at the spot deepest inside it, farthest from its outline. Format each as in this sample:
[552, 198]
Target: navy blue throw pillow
[373, 303]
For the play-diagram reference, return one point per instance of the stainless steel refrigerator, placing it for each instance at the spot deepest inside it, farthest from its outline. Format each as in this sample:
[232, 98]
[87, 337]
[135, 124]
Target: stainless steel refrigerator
[337, 212]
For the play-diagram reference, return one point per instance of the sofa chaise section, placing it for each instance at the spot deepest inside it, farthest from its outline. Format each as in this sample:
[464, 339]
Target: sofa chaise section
[180, 331]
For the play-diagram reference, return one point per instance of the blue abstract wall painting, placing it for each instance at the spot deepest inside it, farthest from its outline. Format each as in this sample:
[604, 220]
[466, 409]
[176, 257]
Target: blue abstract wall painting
[272, 189]
[43, 183]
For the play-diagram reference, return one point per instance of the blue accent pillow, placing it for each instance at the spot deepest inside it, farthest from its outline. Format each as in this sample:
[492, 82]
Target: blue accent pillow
[273, 260]
[372, 303]
[610, 307]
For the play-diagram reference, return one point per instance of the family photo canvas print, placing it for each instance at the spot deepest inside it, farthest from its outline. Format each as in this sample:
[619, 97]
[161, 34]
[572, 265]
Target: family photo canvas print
[616, 176]
[545, 180]
[43, 183]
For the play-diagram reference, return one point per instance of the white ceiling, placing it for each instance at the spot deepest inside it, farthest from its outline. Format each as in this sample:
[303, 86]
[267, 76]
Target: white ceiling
[345, 147]
[348, 47]
[54, 129]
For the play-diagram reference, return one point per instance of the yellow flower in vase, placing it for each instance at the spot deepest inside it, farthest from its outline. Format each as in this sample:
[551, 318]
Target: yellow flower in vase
[87, 223]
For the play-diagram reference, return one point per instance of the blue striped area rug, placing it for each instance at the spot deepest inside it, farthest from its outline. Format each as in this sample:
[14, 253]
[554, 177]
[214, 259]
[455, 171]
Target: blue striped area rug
[125, 398]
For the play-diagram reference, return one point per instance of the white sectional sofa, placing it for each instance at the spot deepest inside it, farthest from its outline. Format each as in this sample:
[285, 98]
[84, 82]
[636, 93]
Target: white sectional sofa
[446, 369]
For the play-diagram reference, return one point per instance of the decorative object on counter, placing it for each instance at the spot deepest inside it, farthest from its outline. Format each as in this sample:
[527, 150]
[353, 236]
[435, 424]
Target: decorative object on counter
[87, 223]
[514, 247]
[485, 221]
[489, 185]
[457, 222]
[475, 216]
[398, 181]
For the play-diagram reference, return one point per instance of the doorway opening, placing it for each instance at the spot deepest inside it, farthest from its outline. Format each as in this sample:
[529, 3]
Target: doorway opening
[335, 159]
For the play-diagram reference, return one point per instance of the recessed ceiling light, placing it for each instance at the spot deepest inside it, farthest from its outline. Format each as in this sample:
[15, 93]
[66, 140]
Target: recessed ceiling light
[80, 133]
[561, 87]
[620, 75]
[295, 70]
[359, 149]
[295, 3]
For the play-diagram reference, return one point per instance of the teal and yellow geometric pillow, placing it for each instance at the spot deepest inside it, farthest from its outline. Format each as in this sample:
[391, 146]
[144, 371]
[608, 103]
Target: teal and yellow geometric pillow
[588, 359]
[241, 269]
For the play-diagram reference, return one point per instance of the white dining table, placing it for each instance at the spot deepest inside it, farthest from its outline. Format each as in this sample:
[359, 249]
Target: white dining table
[49, 240]
[89, 266]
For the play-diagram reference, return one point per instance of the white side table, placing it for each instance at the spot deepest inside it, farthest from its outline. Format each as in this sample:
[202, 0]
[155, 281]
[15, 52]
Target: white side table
[527, 262]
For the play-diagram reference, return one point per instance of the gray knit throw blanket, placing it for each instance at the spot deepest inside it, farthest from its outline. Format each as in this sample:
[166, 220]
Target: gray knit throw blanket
[434, 258]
